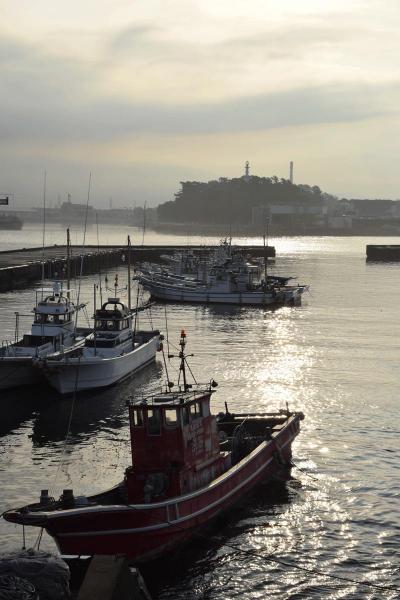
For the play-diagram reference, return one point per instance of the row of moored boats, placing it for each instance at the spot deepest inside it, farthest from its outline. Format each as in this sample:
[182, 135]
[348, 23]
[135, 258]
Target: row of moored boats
[73, 358]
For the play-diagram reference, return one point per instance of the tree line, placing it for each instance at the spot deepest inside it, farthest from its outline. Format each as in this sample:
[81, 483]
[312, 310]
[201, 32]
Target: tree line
[232, 200]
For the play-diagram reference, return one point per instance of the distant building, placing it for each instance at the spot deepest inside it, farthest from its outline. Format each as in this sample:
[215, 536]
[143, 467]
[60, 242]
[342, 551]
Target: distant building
[76, 213]
[375, 208]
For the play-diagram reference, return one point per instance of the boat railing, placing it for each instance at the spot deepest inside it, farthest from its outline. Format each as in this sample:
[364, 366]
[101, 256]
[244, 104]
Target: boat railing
[164, 394]
[7, 348]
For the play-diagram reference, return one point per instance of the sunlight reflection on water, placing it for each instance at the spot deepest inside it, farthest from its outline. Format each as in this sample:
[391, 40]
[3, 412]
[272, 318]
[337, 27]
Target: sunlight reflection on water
[335, 358]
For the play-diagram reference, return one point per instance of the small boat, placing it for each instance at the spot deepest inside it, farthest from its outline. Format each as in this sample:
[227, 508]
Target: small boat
[53, 329]
[110, 353]
[187, 467]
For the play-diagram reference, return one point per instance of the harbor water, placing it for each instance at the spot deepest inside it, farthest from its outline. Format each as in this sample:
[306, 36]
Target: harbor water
[333, 530]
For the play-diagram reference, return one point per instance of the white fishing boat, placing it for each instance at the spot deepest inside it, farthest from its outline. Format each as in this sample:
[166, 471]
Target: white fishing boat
[234, 282]
[112, 352]
[53, 329]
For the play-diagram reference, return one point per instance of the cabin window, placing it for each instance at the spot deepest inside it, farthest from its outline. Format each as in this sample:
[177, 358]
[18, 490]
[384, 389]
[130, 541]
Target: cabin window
[195, 410]
[153, 422]
[171, 417]
[137, 418]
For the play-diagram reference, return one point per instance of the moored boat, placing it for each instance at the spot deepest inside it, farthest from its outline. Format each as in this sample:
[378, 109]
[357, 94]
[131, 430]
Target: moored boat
[229, 283]
[187, 467]
[53, 329]
[110, 353]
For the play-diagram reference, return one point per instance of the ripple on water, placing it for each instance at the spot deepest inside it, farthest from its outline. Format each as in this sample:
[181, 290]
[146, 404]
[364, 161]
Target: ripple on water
[336, 359]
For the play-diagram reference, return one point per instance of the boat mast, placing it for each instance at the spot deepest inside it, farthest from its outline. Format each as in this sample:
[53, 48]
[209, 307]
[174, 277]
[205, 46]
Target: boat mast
[129, 275]
[144, 221]
[95, 320]
[182, 366]
[68, 264]
[265, 239]
[98, 251]
[44, 226]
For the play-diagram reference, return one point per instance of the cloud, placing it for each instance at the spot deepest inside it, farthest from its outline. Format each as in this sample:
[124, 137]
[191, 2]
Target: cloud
[54, 100]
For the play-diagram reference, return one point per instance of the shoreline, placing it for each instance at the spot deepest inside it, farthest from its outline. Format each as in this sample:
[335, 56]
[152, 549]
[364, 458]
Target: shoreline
[242, 231]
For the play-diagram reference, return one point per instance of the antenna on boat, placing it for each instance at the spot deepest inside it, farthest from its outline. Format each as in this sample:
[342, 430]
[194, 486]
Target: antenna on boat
[182, 356]
[116, 285]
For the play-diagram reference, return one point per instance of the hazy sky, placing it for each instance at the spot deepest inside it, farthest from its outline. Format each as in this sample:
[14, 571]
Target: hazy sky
[146, 94]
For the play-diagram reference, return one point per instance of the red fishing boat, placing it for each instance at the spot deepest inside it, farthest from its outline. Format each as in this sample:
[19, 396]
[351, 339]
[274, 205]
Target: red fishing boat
[187, 467]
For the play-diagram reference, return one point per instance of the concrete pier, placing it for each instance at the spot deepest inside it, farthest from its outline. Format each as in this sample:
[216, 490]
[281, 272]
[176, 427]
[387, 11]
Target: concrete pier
[111, 578]
[383, 252]
[22, 267]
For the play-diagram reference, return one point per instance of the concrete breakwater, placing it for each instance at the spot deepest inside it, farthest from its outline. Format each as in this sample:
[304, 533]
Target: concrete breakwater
[388, 252]
[22, 267]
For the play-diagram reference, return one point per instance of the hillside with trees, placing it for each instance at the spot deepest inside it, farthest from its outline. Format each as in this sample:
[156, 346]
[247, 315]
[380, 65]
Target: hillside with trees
[233, 200]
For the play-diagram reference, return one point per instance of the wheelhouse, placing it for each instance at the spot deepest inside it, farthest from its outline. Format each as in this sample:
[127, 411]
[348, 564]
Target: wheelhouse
[112, 316]
[53, 314]
[175, 443]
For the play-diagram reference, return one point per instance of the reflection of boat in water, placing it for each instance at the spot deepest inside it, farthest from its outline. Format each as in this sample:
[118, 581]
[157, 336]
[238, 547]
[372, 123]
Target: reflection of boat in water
[99, 409]
[53, 329]
[17, 406]
[188, 467]
[110, 353]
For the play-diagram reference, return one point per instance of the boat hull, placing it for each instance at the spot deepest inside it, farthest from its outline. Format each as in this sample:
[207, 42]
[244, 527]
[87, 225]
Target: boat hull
[18, 371]
[67, 376]
[146, 531]
[255, 298]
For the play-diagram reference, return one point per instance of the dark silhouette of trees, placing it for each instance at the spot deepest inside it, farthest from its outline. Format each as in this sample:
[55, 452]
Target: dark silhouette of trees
[232, 200]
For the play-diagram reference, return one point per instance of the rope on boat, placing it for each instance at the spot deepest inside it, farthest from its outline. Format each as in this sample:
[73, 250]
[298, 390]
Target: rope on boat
[293, 464]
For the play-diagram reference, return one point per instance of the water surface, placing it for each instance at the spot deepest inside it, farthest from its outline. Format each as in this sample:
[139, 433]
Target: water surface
[336, 358]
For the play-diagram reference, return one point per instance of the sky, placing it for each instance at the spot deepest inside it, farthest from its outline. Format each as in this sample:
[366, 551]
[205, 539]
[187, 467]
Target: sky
[145, 94]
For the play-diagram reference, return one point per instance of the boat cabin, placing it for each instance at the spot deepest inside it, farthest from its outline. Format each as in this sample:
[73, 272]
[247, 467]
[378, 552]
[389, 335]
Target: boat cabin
[175, 445]
[112, 316]
[112, 327]
[53, 315]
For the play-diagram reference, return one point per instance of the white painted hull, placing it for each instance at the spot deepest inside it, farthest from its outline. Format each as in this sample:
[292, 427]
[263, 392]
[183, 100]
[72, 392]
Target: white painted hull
[71, 375]
[18, 371]
[180, 294]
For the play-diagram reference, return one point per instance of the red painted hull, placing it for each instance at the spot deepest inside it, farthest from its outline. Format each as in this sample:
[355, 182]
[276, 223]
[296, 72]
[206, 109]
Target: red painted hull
[146, 531]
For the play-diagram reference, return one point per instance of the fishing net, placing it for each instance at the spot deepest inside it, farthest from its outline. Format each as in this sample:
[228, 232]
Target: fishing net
[16, 588]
